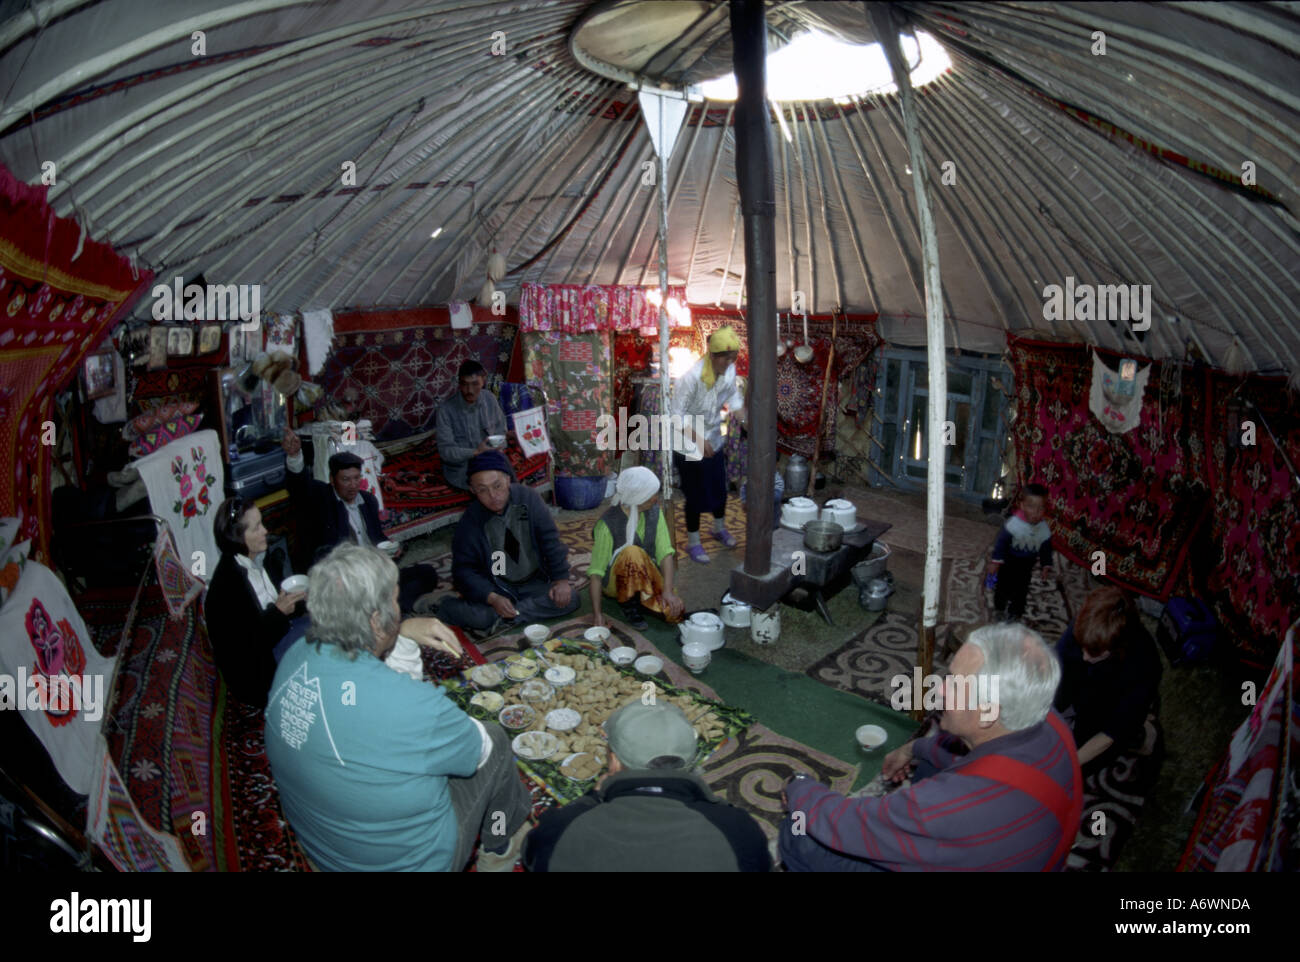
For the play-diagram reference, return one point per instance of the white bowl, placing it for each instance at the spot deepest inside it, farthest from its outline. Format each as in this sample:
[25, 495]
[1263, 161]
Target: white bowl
[535, 746]
[388, 547]
[294, 583]
[536, 634]
[696, 656]
[597, 636]
[487, 676]
[649, 665]
[496, 440]
[622, 656]
[571, 758]
[871, 737]
[489, 701]
[560, 675]
[517, 717]
[563, 719]
[536, 692]
[521, 669]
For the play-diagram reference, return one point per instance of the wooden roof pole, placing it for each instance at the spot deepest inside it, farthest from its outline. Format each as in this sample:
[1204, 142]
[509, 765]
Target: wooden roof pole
[883, 19]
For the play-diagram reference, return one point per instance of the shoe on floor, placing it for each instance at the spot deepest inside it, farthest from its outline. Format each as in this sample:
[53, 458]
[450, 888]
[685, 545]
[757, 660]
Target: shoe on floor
[697, 553]
[479, 634]
[726, 537]
[505, 861]
[635, 619]
[426, 605]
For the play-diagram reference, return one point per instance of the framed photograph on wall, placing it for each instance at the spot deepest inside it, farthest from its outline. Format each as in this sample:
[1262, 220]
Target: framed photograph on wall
[99, 374]
[157, 348]
[209, 338]
[180, 342]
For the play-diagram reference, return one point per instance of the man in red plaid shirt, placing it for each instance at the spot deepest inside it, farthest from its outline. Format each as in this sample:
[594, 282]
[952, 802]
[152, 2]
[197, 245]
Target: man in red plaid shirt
[998, 789]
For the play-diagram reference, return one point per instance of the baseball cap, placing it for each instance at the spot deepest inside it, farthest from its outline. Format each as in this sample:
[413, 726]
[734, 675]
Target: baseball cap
[639, 733]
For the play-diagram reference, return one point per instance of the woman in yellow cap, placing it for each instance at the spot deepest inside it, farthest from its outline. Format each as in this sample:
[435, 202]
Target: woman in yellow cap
[699, 398]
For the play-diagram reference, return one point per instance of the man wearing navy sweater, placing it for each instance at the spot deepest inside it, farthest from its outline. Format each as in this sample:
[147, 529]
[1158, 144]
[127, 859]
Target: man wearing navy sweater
[507, 559]
[999, 789]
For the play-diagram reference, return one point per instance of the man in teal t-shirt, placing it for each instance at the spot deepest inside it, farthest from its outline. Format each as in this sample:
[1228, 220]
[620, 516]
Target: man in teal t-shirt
[378, 771]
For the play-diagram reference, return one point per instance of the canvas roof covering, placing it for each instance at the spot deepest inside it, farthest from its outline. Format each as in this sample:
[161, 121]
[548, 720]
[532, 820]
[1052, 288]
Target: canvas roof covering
[230, 164]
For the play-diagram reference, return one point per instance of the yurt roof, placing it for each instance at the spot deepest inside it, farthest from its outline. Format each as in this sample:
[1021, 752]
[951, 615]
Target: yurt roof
[1117, 168]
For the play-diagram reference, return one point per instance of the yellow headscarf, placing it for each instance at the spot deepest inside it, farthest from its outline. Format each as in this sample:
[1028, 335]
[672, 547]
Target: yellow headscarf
[721, 341]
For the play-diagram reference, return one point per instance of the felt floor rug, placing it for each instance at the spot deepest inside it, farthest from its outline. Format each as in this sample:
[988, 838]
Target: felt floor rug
[961, 537]
[868, 662]
[1113, 799]
[968, 604]
[747, 770]
[158, 731]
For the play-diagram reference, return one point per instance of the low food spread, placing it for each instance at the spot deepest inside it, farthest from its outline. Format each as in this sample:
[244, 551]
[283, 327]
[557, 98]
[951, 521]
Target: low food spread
[597, 689]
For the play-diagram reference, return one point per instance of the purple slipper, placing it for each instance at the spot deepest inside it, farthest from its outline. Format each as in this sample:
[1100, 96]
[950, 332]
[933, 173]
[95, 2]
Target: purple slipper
[697, 553]
[726, 537]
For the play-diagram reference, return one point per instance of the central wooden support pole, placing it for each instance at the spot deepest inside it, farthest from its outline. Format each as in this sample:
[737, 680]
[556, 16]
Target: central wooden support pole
[884, 20]
[758, 207]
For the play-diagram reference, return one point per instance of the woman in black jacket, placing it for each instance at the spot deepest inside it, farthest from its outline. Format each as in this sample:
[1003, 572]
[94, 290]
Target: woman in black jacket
[250, 620]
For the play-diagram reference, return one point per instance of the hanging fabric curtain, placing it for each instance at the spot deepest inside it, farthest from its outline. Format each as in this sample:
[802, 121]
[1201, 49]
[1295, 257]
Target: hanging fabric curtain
[583, 309]
[61, 293]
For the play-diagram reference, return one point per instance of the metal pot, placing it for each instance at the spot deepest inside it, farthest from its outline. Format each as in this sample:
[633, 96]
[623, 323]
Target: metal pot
[875, 595]
[797, 472]
[823, 536]
[735, 614]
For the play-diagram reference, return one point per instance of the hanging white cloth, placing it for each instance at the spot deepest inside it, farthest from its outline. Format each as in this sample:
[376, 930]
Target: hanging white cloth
[53, 673]
[318, 333]
[462, 315]
[1118, 412]
[186, 480]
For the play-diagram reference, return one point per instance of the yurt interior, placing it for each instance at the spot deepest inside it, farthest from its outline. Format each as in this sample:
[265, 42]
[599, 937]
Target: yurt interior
[895, 401]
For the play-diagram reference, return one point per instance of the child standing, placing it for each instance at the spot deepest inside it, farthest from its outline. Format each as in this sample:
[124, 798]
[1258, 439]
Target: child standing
[1023, 540]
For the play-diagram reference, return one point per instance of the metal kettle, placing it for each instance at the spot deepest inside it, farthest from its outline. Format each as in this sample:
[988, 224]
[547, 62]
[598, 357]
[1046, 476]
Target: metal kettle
[797, 474]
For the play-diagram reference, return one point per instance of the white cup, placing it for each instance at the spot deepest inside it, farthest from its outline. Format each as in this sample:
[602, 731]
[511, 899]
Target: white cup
[597, 636]
[696, 656]
[871, 737]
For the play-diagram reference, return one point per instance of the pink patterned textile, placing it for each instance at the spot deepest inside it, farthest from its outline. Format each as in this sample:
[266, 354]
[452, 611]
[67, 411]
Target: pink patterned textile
[582, 309]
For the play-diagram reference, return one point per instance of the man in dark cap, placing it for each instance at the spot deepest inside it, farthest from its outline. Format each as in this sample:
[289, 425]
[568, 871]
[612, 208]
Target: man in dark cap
[652, 813]
[508, 560]
[330, 514]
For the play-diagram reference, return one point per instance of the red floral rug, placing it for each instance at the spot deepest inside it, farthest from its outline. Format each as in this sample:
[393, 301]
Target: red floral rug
[394, 367]
[158, 731]
[1256, 581]
[1137, 497]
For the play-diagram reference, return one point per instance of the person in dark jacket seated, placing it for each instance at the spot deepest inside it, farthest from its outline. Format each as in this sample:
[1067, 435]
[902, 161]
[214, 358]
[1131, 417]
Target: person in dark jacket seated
[341, 511]
[508, 560]
[651, 813]
[250, 620]
[1110, 678]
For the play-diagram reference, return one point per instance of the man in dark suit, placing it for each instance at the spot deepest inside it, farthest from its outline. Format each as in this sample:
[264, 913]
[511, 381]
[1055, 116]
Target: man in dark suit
[342, 512]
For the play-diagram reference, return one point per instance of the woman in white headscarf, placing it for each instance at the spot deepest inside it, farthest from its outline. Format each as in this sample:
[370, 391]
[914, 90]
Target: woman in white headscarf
[632, 556]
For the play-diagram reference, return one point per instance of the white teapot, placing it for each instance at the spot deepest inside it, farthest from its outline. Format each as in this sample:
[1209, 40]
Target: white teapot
[704, 628]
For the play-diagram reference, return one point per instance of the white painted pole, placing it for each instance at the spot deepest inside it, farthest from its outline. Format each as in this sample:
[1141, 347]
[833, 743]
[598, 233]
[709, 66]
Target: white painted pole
[886, 29]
